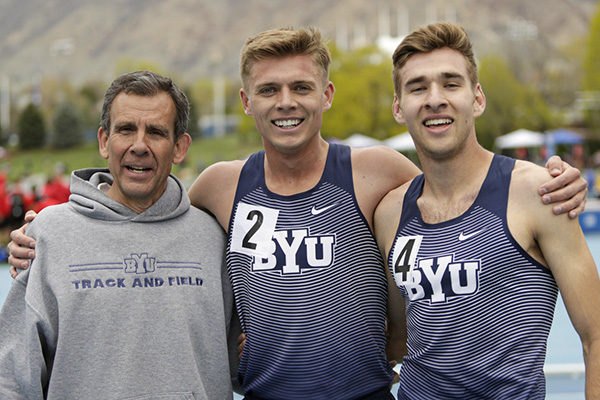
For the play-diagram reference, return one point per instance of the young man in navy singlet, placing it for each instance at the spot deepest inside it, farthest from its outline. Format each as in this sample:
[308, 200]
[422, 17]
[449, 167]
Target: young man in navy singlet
[474, 263]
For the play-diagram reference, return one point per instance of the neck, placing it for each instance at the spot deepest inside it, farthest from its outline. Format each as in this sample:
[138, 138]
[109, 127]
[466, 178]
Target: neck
[452, 185]
[295, 171]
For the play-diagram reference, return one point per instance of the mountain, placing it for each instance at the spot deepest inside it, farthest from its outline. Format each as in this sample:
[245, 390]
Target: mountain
[190, 39]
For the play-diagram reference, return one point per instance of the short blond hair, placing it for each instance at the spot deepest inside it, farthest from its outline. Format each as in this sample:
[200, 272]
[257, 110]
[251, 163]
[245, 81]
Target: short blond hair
[281, 43]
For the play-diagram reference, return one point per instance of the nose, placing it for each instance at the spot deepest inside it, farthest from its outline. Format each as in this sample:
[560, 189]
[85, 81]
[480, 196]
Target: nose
[436, 98]
[139, 145]
[286, 99]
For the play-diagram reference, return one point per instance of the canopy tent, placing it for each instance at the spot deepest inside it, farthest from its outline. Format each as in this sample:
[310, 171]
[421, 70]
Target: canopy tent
[563, 136]
[520, 138]
[401, 142]
[358, 140]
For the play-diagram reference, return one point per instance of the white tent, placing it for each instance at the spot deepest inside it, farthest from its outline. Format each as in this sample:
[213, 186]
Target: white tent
[401, 142]
[520, 138]
[358, 140]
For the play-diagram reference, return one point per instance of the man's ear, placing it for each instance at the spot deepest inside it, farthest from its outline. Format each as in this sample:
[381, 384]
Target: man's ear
[480, 102]
[103, 143]
[397, 111]
[328, 96]
[246, 102]
[181, 147]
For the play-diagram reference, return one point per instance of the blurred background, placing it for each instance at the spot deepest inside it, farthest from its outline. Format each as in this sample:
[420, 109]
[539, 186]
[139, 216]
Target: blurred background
[539, 67]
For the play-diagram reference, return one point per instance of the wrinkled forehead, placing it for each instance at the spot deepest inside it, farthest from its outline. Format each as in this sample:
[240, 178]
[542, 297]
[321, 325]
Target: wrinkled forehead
[155, 110]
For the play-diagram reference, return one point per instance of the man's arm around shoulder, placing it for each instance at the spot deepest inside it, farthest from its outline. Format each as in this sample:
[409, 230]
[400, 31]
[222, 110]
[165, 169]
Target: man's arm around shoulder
[387, 219]
[214, 190]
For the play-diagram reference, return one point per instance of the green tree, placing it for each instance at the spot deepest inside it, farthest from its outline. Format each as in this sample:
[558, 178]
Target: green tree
[591, 79]
[89, 102]
[68, 127]
[193, 126]
[32, 131]
[511, 105]
[363, 97]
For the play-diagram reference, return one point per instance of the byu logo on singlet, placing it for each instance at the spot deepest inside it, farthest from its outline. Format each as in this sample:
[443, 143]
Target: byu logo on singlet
[435, 279]
[140, 264]
[293, 250]
[288, 251]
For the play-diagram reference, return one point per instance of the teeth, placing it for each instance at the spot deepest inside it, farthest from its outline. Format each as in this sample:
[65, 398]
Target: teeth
[442, 121]
[288, 123]
[138, 170]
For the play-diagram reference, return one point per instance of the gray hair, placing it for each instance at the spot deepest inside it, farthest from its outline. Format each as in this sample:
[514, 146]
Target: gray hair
[146, 83]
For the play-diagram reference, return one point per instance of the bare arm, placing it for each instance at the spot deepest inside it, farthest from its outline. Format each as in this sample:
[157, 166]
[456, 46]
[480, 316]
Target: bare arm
[375, 172]
[214, 190]
[559, 243]
[387, 218]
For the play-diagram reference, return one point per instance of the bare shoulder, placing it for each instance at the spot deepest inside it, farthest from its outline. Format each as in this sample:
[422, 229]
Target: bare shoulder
[380, 169]
[376, 157]
[391, 204]
[527, 177]
[214, 189]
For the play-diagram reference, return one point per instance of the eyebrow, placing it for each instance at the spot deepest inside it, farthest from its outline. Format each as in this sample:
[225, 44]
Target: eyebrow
[279, 84]
[161, 128]
[445, 75]
[149, 127]
[124, 124]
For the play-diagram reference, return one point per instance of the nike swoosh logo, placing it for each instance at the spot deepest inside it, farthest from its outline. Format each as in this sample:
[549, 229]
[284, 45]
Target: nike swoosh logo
[315, 211]
[462, 235]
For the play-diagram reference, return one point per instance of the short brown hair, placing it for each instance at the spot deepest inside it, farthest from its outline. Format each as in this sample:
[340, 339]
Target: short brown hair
[284, 42]
[432, 37]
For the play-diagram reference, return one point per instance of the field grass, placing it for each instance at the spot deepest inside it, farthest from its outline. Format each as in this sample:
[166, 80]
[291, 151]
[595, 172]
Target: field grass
[202, 153]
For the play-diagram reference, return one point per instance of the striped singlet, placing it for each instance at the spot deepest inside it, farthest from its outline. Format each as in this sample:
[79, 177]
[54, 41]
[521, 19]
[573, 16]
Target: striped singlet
[310, 288]
[479, 308]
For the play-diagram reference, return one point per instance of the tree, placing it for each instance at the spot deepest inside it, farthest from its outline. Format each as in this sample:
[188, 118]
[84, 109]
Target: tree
[511, 105]
[193, 126]
[89, 102]
[364, 95]
[32, 131]
[591, 63]
[591, 80]
[68, 127]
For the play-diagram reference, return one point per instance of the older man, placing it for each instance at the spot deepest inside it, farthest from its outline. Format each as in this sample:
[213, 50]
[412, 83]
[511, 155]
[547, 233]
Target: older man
[127, 297]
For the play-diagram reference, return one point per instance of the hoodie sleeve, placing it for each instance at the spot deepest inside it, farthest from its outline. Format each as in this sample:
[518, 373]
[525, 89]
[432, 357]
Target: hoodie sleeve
[23, 369]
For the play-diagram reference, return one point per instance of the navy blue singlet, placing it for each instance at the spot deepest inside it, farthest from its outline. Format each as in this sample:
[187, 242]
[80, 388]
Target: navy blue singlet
[479, 308]
[310, 288]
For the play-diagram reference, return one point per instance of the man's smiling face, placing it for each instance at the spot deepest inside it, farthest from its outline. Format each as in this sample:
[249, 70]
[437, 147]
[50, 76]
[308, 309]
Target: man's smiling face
[141, 148]
[437, 102]
[287, 97]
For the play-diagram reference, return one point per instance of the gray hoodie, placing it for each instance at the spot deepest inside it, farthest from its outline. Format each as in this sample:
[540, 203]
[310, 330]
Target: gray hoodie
[119, 305]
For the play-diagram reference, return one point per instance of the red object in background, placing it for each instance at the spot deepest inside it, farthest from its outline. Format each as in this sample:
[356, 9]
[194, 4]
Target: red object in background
[55, 192]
